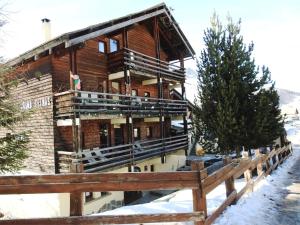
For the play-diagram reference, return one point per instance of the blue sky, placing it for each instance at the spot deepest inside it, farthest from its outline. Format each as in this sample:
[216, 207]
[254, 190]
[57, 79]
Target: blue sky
[273, 26]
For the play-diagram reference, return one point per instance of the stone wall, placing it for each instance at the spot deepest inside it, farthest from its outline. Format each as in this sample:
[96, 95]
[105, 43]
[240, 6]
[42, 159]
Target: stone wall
[35, 95]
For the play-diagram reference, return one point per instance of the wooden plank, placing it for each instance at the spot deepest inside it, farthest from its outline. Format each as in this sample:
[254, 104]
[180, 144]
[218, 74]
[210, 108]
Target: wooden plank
[199, 196]
[96, 187]
[231, 198]
[76, 198]
[248, 186]
[215, 179]
[119, 219]
[229, 182]
[248, 172]
[98, 182]
[259, 165]
[98, 177]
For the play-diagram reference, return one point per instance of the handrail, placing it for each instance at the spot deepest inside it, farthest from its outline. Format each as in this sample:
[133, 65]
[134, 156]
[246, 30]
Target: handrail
[87, 101]
[97, 159]
[145, 63]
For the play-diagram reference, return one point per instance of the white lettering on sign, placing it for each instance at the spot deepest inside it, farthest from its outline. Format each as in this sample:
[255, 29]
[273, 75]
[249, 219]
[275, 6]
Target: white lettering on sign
[36, 103]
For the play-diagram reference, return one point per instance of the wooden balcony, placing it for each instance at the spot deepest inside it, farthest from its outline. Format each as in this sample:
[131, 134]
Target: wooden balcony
[144, 65]
[101, 159]
[84, 103]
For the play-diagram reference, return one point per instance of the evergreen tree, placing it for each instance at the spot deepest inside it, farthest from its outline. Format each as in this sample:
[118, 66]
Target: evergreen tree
[269, 122]
[13, 147]
[229, 83]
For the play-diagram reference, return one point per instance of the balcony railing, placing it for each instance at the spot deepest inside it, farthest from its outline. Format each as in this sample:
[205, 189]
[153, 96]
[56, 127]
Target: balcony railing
[83, 102]
[99, 159]
[143, 63]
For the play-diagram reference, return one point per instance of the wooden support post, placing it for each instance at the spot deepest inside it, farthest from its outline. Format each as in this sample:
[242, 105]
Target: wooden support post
[259, 165]
[76, 198]
[268, 165]
[199, 196]
[76, 130]
[229, 183]
[247, 173]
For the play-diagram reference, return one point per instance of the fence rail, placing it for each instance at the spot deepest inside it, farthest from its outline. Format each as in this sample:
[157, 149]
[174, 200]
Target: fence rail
[198, 180]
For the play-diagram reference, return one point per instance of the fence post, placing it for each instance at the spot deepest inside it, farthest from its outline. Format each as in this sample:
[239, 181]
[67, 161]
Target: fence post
[76, 198]
[259, 165]
[199, 197]
[229, 183]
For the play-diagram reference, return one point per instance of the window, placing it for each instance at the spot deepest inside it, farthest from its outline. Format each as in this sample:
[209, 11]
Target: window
[113, 45]
[104, 193]
[101, 47]
[136, 133]
[146, 95]
[149, 132]
[145, 168]
[134, 92]
[88, 196]
[152, 168]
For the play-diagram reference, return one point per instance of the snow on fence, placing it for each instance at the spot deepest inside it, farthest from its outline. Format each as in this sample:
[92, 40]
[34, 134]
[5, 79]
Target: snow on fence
[197, 180]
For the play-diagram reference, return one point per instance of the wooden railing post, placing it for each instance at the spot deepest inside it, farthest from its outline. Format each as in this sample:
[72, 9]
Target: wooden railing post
[229, 183]
[199, 196]
[76, 198]
[248, 172]
[259, 165]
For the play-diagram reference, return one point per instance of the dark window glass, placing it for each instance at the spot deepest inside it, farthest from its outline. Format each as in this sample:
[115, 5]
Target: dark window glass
[152, 168]
[113, 45]
[101, 46]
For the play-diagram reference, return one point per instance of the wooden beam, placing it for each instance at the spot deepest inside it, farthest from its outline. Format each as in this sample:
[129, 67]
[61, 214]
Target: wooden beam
[121, 25]
[151, 119]
[199, 196]
[230, 199]
[118, 121]
[82, 182]
[149, 82]
[115, 76]
[109, 219]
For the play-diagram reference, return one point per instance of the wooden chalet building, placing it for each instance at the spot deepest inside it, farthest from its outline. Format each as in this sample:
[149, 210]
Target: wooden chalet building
[120, 119]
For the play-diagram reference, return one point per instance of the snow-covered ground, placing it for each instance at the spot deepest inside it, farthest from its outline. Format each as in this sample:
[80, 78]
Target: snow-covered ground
[253, 208]
[29, 205]
[260, 207]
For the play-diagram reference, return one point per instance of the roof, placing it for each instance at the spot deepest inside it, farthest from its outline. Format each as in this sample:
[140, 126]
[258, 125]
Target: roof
[75, 37]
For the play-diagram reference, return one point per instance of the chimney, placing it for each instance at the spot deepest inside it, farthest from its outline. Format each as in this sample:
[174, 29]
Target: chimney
[46, 29]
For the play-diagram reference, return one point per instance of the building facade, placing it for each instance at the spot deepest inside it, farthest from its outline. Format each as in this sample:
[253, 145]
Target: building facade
[100, 99]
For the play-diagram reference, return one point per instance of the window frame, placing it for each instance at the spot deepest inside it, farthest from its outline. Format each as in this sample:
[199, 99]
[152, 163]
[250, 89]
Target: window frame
[117, 45]
[104, 47]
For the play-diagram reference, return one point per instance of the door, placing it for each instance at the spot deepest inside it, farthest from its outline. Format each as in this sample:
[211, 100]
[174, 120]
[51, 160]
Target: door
[119, 140]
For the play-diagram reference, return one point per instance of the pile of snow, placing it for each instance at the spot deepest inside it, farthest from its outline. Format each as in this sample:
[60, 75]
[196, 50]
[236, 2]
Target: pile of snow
[29, 205]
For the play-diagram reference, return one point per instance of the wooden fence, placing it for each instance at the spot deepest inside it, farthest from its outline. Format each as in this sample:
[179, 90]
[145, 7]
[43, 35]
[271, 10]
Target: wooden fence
[198, 180]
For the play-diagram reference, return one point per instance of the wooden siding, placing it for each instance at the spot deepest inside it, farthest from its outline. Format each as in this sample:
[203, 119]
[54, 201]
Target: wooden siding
[91, 135]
